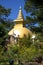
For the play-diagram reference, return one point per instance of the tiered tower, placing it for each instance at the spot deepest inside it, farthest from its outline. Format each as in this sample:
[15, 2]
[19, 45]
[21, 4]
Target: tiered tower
[19, 30]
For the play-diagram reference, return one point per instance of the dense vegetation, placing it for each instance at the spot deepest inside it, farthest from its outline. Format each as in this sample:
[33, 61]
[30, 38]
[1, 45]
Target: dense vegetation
[24, 50]
[35, 8]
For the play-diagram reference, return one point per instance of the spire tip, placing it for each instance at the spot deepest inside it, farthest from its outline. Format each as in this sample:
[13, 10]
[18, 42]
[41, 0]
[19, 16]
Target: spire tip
[20, 7]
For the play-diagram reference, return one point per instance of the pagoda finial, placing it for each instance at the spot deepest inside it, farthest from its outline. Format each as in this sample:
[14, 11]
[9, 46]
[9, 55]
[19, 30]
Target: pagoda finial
[20, 17]
[20, 7]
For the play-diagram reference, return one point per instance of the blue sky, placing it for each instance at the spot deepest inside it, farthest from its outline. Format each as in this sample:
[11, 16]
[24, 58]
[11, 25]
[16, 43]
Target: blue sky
[14, 5]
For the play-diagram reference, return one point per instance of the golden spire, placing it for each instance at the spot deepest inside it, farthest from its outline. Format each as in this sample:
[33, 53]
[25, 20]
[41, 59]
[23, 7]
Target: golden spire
[19, 29]
[20, 17]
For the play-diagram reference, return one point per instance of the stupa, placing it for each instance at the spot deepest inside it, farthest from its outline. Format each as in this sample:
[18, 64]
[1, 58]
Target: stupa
[19, 30]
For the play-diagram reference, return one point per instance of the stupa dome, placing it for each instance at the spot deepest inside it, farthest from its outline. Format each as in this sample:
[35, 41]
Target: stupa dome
[20, 31]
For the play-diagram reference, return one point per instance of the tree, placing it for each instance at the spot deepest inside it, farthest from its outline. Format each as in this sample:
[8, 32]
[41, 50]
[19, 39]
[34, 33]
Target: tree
[3, 30]
[3, 33]
[3, 24]
[4, 11]
[35, 8]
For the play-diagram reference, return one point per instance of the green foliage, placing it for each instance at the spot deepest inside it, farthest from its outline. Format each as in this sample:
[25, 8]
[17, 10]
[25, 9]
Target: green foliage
[29, 20]
[28, 54]
[35, 8]
[24, 50]
[3, 31]
[25, 41]
[28, 51]
[3, 24]
[4, 11]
